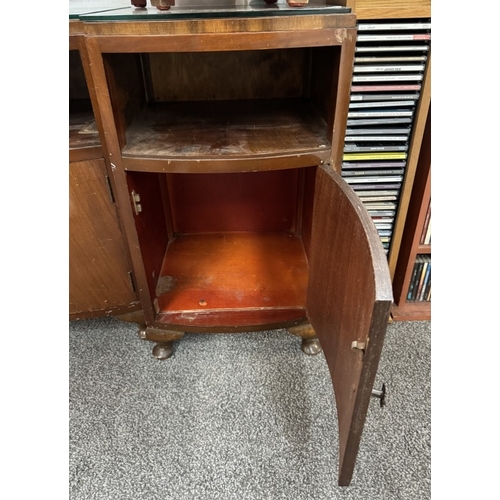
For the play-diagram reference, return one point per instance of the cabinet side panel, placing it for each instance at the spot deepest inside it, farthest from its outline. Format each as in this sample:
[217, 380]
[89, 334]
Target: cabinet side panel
[127, 89]
[98, 265]
[150, 223]
[309, 180]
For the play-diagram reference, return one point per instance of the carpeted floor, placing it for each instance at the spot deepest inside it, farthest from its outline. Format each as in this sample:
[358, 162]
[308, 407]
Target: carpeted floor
[237, 417]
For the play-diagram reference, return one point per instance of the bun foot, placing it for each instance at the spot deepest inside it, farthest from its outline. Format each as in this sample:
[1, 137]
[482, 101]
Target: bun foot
[162, 351]
[311, 346]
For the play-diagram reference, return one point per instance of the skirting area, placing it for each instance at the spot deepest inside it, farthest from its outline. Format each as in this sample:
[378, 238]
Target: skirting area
[237, 417]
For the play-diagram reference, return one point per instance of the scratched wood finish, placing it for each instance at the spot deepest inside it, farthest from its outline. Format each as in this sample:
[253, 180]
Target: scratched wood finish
[223, 41]
[228, 272]
[256, 201]
[187, 131]
[84, 139]
[232, 320]
[98, 265]
[348, 299]
[199, 26]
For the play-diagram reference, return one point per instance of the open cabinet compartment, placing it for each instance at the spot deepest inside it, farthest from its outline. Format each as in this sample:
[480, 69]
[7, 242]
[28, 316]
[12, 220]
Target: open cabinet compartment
[226, 250]
[224, 111]
[83, 132]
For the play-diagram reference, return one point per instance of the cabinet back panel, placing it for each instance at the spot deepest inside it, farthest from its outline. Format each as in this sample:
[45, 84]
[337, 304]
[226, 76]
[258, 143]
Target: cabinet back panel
[254, 201]
[257, 74]
[77, 83]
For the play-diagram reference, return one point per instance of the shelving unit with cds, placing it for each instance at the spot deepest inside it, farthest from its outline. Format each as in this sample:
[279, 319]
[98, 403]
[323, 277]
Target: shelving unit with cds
[412, 279]
[389, 78]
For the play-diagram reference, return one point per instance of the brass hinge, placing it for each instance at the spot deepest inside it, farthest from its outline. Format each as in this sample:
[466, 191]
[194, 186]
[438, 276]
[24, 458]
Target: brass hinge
[131, 278]
[359, 346]
[136, 198]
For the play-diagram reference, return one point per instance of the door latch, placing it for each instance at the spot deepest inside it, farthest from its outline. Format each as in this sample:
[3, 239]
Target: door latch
[136, 198]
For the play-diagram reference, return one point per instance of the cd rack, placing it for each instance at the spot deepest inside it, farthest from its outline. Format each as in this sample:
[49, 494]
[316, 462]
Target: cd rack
[389, 65]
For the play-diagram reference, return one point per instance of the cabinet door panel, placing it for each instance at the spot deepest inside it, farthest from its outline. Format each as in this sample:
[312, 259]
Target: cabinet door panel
[98, 266]
[349, 299]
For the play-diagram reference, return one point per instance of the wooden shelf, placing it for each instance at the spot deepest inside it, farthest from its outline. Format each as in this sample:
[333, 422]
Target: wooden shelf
[412, 311]
[236, 135]
[83, 131]
[84, 139]
[232, 278]
[426, 249]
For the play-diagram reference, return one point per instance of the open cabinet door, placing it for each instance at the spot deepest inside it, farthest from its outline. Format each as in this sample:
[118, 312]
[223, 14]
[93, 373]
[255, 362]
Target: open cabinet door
[348, 303]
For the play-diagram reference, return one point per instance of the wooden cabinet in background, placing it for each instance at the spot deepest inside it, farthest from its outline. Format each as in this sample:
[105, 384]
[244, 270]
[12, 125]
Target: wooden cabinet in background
[412, 279]
[100, 278]
[99, 273]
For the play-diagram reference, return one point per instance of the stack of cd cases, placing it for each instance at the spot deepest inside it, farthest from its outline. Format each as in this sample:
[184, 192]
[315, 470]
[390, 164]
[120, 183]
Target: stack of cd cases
[389, 66]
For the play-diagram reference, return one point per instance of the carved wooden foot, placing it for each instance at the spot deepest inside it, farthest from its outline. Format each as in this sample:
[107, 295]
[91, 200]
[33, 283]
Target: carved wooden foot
[311, 346]
[163, 338]
[310, 343]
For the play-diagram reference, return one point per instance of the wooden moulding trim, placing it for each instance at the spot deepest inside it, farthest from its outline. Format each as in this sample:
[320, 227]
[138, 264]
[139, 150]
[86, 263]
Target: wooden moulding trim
[223, 165]
[198, 26]
[207, 42]
[75, 28]
[134, 306]
[232, 321]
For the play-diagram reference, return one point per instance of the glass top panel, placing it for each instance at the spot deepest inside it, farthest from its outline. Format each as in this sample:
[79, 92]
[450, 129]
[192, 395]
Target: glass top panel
[196, 9]
[78, 8]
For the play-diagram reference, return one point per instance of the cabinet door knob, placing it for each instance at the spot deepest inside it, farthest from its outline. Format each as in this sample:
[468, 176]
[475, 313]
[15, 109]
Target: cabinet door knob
[380, 394]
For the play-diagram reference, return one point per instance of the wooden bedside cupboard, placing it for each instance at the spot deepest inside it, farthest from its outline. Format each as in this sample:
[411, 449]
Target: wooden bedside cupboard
[223, 130]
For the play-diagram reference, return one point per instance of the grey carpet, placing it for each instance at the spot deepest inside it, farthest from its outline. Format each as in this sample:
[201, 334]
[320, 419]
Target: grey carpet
[240, 416]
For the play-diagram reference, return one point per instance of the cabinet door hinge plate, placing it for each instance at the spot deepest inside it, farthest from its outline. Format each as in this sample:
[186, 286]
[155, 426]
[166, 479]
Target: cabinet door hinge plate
[131, 278]
[136, 198]
[110, 189]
